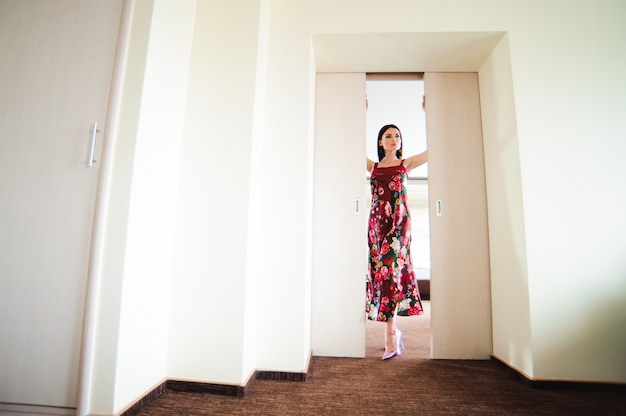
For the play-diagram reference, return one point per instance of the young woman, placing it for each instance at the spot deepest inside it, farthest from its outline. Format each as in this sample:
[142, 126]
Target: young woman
[392, 287]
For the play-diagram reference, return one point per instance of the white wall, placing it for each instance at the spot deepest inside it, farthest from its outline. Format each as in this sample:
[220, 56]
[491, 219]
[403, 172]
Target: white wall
[558, 274]
[131, 353]
[212, 310]
[558, 129]
[283, 341]
[144, 315]
[571, 142]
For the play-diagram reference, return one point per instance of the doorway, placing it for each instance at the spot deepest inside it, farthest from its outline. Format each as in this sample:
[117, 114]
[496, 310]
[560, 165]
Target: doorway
[397, 99]
[460, 289]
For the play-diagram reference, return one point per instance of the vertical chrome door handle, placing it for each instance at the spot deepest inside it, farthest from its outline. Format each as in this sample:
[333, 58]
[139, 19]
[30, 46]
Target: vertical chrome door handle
[94, 131]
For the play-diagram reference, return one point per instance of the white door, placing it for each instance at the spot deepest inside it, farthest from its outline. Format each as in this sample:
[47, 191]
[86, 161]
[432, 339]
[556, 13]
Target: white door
[460, 289]
[339, 217]
[55, 76]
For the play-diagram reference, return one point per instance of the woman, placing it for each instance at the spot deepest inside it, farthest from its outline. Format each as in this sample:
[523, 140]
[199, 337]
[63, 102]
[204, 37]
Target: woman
[391, 287]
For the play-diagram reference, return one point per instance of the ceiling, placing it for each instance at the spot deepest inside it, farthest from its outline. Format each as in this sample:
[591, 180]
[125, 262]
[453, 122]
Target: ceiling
[403, 52]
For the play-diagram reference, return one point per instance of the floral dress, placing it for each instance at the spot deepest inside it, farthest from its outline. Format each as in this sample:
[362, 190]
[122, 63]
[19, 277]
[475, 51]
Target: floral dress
[391, 280]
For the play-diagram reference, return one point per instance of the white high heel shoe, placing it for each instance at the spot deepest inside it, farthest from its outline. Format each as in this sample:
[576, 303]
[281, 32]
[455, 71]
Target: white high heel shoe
[399, 347]
[399, 344]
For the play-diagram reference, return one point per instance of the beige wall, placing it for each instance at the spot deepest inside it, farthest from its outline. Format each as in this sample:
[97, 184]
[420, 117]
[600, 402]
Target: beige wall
[509, 275]
[241, 283]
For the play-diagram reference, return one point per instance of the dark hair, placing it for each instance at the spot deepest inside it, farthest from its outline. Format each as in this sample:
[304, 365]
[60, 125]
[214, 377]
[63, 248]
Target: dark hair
[381, 150]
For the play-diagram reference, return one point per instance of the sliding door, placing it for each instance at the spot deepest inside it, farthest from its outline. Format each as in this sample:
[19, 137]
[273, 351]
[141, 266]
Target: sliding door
[56, 70]
[339, 217]
[460, 279]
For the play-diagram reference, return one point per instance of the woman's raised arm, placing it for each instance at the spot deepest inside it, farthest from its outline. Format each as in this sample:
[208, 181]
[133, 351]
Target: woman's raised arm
[412, 162]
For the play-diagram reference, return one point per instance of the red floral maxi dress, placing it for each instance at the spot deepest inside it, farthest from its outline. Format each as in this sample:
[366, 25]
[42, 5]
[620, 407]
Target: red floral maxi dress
[391, 280]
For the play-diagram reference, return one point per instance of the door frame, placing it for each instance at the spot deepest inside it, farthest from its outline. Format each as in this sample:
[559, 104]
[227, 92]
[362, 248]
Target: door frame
[450, 325]
[103, 195]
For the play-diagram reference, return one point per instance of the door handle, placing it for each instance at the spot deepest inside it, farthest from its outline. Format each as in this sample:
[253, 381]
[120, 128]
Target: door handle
[94, 131]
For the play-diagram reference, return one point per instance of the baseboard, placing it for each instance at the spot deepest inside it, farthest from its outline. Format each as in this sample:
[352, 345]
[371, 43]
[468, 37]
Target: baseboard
[145, 401]
[558, 384]
[12, 409]
[211, 388]
[280, 376]
[285, 375]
